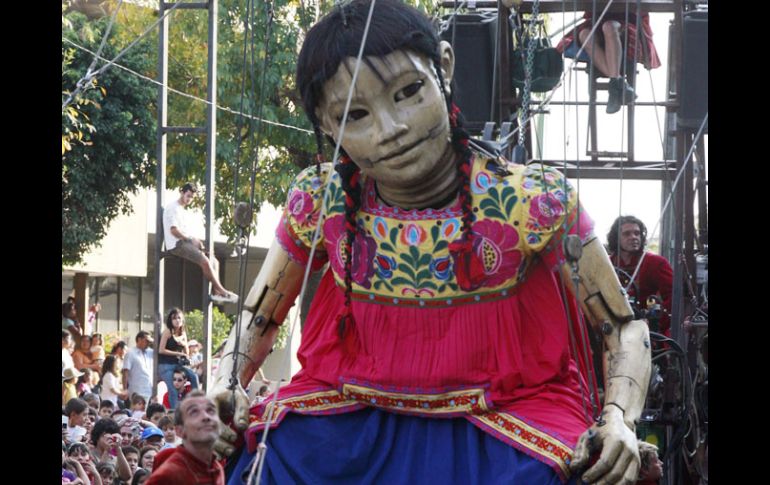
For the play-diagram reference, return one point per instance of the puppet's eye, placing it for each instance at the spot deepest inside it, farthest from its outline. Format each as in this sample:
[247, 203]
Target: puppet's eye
[410, 90]
[354, 115]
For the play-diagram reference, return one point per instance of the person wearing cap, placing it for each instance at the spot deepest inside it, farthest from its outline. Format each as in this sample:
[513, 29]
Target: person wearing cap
[68, 387]
[180, 243]
[137, 367]
[152, 436]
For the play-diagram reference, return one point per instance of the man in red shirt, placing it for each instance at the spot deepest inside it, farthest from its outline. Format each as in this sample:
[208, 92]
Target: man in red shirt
[193, 462]
[626, 241]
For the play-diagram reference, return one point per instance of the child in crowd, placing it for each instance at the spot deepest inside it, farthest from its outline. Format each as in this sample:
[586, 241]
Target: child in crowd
[152, 436]
[106, 408]
[147, 457]
[83, 384]
[138, 405]
[154, 412]
[71, 470]
[166, 424]
[79, 452]
[97, 348]
[68, 388]
[107, 472]
[132, 457]
[140, 477]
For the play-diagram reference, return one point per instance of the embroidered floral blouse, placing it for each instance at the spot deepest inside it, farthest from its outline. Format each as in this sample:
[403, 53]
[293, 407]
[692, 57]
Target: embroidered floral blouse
[431, 337]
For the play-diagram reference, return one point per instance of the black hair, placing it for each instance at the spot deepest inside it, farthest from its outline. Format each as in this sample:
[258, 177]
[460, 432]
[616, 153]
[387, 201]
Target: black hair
[612, 236]
[76, 446]
[171, 314]
[106, 403]
[108, 364]
[66, 308]
[189, 186]
[138, 475]
[129, 449]
[137, 398]
[120, 345]
[336, 37]
[75, 405]
[142, 334]
[165, 421]
[103, 426]
[154, 408]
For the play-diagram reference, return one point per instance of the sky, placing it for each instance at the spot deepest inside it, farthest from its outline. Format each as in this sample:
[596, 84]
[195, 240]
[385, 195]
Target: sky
[602, 198]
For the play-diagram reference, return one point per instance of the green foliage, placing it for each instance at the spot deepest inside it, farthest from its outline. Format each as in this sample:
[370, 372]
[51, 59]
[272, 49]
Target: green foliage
[220, 326]
[108, 134]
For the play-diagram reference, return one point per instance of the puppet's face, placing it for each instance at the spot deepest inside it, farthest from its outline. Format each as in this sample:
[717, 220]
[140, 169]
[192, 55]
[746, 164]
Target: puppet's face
[398, 126]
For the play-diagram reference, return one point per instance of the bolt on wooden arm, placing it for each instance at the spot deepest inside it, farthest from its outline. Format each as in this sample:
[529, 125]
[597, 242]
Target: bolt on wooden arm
[271, 296]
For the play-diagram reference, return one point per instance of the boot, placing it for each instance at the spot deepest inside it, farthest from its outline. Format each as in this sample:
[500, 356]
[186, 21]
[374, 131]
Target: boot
[620, 93]
[615, 92]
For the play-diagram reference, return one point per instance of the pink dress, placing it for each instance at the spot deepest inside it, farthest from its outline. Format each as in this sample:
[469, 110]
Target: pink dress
[432, 338]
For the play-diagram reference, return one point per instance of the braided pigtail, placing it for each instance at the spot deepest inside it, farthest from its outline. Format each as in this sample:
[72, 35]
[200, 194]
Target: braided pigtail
[349, 175]
[319, 156]
[469, 269]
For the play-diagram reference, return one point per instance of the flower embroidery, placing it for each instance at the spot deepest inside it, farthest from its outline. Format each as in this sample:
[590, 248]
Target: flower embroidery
[482, 182]
[491, 258]
[300, 207]
[364, 247]
[380, 228]
[413, 235]
[385, 265]
[441, 268]
[545, 209]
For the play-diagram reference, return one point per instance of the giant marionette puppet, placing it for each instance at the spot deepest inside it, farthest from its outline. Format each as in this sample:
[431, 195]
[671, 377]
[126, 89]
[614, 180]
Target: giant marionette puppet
[437, 347]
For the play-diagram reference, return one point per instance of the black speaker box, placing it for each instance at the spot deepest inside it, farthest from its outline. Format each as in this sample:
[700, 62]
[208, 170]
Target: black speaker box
[694, 96]
[474, 48]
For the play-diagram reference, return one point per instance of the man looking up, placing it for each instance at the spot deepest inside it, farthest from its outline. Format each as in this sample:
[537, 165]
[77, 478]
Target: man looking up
[197, 423]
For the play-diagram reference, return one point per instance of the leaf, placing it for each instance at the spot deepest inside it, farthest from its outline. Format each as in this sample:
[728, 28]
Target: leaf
[440, 246]
[387, 247]
[434, 233]
[393, 235]
[487, 203]
[399, 280]
[415, 254]
[407, 270]
[424, 260]
[423, 275]
[510, 203]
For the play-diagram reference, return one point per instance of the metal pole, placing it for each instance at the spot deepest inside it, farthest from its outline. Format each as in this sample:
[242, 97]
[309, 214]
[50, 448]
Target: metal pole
[211, 148]
[160, 186]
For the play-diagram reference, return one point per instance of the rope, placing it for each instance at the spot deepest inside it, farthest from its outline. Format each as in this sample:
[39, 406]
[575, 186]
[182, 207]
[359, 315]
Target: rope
[187, 95]
[261, 456]
[90, 75]
[81, 84]
[671, 193]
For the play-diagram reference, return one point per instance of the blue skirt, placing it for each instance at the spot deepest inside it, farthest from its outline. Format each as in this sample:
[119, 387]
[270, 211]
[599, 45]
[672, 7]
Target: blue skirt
[374, 446]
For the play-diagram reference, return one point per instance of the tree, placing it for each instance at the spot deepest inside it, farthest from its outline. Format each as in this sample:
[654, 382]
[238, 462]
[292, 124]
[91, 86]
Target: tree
[107, 137]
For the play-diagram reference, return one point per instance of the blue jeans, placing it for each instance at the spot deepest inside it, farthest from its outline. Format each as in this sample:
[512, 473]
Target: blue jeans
[166, 372]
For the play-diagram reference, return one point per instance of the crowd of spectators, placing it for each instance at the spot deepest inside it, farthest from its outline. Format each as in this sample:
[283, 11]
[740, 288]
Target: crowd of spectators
[112, 425]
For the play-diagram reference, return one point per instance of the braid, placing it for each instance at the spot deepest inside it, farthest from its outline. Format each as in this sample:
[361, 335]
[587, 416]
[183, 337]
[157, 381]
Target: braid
[319, 141]
[349, 175]
[460, 139]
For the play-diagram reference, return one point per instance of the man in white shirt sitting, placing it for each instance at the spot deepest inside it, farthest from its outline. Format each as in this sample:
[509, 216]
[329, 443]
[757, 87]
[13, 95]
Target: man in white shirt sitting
[180, 243]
